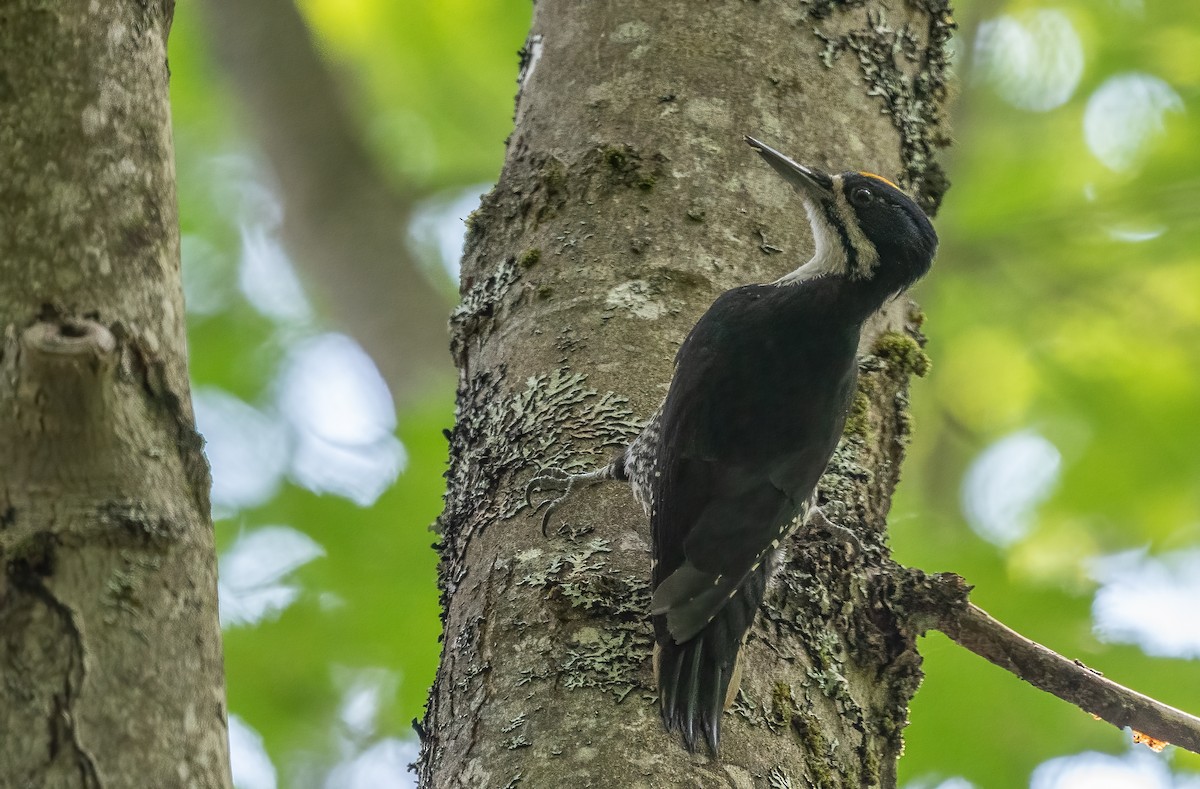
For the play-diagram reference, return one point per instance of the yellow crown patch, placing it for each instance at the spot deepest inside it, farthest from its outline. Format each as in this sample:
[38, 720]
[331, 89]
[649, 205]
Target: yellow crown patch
[877, 178]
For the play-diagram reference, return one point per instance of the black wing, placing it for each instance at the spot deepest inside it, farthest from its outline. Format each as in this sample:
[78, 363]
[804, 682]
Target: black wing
[755, 410]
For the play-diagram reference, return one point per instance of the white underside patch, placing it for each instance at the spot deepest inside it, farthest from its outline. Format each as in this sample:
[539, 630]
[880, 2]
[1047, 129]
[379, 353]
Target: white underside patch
[829, 256]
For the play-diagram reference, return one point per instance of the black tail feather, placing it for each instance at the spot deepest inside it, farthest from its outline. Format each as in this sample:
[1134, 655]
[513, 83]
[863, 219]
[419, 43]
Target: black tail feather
[694, 677]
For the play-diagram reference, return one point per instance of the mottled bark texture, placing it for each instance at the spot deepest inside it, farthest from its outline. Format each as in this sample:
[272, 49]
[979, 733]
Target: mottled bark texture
[110, 650]
[344, 224]
[627, 203]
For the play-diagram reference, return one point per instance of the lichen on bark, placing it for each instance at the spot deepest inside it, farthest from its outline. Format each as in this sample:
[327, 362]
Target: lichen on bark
[886, 55]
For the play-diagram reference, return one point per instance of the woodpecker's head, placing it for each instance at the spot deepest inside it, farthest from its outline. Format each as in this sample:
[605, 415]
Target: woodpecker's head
[863, 226]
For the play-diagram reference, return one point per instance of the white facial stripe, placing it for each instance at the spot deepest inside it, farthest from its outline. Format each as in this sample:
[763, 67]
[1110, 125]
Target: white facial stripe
[829, 257]
[868, 256]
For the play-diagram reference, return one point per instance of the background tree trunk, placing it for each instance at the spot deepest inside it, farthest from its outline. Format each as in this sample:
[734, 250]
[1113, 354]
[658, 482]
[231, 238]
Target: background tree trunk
[110, 650]
[344, 224]
[627, 203]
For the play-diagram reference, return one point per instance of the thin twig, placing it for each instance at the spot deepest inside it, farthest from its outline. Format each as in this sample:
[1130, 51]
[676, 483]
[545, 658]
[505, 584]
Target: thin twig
[972, 627]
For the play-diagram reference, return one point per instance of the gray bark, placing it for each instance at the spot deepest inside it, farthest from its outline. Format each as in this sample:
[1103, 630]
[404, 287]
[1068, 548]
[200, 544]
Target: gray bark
[110, 649]
[627, 203]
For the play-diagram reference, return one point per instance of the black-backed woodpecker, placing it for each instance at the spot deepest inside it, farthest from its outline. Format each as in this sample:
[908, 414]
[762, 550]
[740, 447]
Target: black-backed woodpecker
[728, 466]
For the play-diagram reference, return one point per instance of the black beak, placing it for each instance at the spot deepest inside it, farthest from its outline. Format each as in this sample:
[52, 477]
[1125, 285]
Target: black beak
[806, 180]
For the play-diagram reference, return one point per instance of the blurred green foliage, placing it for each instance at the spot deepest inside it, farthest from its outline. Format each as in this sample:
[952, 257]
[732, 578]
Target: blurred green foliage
[1044, 314]
[1066, 302]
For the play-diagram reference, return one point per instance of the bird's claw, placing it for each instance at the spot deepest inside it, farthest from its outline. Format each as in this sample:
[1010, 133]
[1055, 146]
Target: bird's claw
[818, 519]
[550, 479]
[559, 480]
[553, 480]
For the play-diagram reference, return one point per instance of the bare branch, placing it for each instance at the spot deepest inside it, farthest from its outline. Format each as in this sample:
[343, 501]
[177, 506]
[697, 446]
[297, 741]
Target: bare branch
[344, 225]
[1070, 680]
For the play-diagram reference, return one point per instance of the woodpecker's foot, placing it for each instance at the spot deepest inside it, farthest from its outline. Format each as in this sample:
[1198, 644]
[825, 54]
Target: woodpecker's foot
[560, 481]
[550, 480]
[817, 519]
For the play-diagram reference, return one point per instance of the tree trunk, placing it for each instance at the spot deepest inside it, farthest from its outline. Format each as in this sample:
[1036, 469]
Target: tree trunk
[627, 203]
[110, 650]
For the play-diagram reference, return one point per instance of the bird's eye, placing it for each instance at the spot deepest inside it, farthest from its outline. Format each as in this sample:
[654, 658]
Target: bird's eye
[861, 196]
